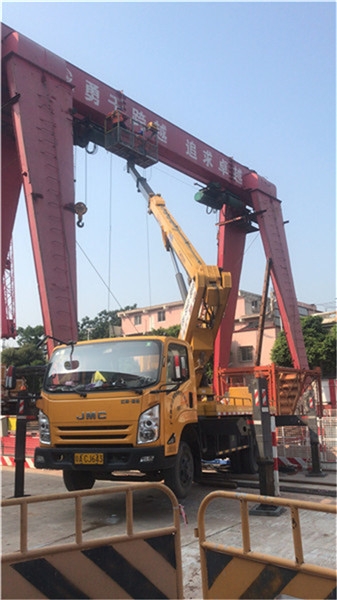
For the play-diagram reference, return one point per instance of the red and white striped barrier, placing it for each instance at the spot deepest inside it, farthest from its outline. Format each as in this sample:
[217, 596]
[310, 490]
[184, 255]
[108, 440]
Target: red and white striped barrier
[298, 463]
[8, 450]
[9, 461]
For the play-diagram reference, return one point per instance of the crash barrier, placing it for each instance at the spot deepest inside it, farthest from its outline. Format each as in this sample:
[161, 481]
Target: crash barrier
[234, 572]
[142, 564]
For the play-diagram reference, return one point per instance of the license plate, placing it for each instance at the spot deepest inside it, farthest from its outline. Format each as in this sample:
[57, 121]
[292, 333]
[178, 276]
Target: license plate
[90, 458]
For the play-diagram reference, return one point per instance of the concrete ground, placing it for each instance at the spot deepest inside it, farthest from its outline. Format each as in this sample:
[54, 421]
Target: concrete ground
[53, 522]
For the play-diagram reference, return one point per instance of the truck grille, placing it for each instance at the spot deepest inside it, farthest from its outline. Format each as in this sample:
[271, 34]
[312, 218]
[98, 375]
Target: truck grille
[94, 433]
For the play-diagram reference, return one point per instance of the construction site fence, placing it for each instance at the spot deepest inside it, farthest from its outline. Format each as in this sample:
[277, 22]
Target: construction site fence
[116, 566]
[233, 572]
[294, 441]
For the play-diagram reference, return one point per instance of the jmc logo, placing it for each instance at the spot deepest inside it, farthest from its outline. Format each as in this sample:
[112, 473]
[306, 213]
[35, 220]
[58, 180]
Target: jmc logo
[91, 416]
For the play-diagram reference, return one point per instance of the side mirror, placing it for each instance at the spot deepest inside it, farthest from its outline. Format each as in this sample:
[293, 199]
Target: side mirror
[10, 378]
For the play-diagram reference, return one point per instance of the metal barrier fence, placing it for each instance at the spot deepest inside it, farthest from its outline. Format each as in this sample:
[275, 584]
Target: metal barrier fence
[142, 564]
[327, 433]
[234, 572]
[294, 442]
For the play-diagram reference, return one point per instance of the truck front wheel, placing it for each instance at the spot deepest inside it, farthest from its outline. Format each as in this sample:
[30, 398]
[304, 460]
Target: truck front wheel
[179, 478]
[78, 480]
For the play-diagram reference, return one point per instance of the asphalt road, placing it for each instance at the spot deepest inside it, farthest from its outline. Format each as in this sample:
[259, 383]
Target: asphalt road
[53, 522]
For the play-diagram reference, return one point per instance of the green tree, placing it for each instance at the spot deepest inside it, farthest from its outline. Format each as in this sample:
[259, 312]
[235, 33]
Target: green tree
[29, 335]
[27, 354]
[320, 345]
[328, 357]
[169, 331]
[101, 326]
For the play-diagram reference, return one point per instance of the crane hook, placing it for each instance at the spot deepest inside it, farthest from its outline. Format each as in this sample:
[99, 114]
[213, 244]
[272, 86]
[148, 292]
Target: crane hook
[80, 210]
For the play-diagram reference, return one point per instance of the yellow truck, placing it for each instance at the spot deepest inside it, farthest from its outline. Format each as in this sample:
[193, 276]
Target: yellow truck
[141, 406]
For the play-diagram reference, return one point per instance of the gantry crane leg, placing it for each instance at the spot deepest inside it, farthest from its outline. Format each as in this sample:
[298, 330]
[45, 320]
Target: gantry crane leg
[42, 122]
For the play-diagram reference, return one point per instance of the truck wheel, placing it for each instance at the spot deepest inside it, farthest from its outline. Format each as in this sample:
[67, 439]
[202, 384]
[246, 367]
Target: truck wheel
[78, 480]
[179, 478]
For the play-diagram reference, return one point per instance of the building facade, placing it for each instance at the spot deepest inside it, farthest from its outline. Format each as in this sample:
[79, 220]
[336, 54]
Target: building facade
[245, 335]
[138, 321]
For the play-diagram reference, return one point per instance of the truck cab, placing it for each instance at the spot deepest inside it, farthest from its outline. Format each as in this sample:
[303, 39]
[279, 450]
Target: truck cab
[120, 404]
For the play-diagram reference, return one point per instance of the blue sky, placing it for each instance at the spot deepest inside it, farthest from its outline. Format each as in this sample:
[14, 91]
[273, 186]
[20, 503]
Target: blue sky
[253, 80]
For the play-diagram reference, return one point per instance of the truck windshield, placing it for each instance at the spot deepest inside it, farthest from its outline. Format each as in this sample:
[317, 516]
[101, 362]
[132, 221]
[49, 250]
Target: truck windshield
[122, 364]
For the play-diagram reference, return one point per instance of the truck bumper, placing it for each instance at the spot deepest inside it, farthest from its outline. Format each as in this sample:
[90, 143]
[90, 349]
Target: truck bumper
[103, 459]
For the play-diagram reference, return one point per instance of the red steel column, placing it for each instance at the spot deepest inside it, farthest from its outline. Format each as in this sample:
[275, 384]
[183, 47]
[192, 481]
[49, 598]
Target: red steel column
[43, 126]
[11, 182]
[10, 190]
[274, 241]
[231, 244]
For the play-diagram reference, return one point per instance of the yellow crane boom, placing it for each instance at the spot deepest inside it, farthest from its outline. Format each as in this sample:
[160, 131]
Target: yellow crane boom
[209, 286]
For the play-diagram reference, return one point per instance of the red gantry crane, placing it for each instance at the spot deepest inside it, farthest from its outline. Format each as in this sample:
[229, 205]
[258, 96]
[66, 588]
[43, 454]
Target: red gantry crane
[48, 105]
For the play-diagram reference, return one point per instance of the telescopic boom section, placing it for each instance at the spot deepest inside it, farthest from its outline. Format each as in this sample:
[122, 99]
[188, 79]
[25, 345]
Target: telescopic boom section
[209, 286]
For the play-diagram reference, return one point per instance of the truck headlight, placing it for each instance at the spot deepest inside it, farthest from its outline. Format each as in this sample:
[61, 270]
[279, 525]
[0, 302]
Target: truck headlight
[148, 425]
[44, 428]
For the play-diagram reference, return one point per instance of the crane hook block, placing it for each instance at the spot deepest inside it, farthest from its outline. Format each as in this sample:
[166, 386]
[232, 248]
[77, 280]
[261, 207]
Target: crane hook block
[80, 210]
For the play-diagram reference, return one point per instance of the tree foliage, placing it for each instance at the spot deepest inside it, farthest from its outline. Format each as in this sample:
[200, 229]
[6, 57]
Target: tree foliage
[29, 335]
[25, 356]
[328, 349]
[169, 331]
[102, 326]
[320, 345]
[27, 353]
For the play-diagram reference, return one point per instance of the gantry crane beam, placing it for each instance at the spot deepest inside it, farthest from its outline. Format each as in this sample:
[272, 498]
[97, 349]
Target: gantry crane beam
[46, 102]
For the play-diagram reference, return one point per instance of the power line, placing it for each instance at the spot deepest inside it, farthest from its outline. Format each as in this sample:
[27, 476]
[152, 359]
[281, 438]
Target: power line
[102, 280]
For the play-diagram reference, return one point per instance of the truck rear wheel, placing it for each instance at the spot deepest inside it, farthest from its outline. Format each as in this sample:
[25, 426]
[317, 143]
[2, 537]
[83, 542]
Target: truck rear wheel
[179, 478]
[78, 480]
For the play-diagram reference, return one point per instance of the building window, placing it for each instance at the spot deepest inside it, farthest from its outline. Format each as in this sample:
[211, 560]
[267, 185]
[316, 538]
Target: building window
[255, 306]
[246, 353]
[137, 319]
[161, 315]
